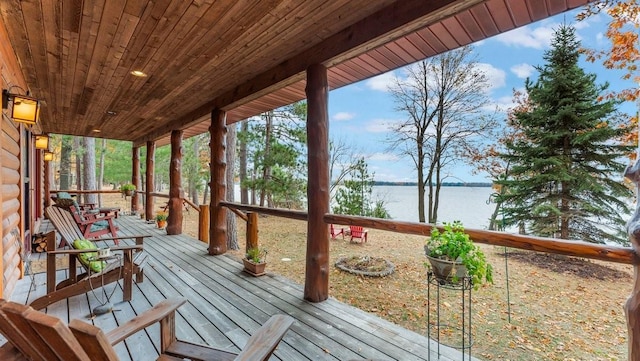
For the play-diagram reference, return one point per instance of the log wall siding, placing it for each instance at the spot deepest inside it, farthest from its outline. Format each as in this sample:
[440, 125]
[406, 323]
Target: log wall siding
[10, 174]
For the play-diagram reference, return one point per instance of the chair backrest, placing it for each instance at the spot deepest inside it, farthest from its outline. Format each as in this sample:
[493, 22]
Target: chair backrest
[64, 223]
[356, 231]
[40, 336]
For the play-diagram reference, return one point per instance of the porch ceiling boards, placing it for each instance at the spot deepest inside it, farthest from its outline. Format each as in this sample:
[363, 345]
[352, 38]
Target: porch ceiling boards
[245, 57]
[225, 306]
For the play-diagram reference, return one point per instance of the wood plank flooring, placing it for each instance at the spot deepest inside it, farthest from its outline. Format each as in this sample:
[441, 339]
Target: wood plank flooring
[225, 306]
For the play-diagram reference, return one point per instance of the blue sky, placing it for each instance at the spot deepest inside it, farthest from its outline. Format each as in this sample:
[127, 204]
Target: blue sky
[361, 113]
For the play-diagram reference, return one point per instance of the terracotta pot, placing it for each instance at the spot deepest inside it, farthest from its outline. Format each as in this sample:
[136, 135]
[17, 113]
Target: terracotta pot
[447, 271]
[128, 193]
[254, 269]
[161, 224]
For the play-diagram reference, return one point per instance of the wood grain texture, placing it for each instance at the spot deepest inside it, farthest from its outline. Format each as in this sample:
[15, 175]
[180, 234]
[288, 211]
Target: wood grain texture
[317, 270]
[218, 229]
[174, 222]
[77, 56]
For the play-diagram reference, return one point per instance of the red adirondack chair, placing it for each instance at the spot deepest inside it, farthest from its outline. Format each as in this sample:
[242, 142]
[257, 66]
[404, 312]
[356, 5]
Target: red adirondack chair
[358, 232]
[335, 234]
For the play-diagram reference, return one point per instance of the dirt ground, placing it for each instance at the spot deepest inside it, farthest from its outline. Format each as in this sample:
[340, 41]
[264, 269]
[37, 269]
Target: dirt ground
[559, 308]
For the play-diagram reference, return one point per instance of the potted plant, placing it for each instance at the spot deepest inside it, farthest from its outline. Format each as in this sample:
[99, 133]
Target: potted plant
[161, 219]
[127, 189]
[453, 255]
[255, 261]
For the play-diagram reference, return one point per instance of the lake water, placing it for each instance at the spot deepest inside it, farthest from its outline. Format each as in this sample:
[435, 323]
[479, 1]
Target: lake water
[466, 204]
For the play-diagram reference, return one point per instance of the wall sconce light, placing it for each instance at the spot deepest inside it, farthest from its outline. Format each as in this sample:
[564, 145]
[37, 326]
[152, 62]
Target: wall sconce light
[25, 109]
[48, 156]
[42, 141]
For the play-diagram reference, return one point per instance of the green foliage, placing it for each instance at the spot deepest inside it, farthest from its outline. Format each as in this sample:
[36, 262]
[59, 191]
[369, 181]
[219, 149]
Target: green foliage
[127, 187]
[354, 197]
[453, 244]
[162, 216]
[276, 148]
[257, 255]
[564, 180]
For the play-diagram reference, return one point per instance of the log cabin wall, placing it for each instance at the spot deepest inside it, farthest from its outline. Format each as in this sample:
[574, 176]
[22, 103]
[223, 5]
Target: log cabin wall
[11, 197]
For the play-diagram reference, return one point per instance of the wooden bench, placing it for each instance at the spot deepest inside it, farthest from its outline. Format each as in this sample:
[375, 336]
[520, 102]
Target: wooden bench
[39, 336]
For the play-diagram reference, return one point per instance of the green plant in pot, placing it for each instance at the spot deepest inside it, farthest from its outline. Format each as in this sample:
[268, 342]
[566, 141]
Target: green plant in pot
[452, 255]
[127, 189]
[255, 261]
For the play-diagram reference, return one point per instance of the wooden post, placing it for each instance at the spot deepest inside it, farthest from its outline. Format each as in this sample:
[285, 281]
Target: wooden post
[203, 223]
[316, 285]
[632, 306]
[135, 175]
[151, 158]
[218, 230]
[174, 223]
[252, 231]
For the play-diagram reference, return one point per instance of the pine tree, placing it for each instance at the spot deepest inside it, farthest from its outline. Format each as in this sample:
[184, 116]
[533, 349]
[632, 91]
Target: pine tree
[355, 196]
[565, 181]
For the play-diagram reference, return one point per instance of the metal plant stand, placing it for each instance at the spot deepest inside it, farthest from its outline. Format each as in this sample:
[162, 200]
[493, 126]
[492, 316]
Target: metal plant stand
[454, 325]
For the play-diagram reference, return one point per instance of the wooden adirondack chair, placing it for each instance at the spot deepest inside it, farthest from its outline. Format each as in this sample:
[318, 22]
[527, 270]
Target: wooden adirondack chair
[334, 234]
[94, 225]
[133, 260]
[44, 336]
[358, 232]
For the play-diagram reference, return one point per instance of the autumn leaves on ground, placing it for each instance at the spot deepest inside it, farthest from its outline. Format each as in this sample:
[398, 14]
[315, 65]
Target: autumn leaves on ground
[561, 308]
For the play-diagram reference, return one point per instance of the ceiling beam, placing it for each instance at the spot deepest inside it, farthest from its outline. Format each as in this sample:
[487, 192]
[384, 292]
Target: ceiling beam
[390, 23]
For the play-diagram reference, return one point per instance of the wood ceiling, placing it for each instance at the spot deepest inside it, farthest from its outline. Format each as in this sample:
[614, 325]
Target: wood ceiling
[243, 56]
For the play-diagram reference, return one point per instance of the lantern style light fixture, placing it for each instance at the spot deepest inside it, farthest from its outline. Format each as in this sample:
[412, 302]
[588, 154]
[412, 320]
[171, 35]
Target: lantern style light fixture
[25, 109]
[48, 156]
[42, 141]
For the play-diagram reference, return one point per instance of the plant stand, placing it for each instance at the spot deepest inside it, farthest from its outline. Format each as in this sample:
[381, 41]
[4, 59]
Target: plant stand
[454, 322]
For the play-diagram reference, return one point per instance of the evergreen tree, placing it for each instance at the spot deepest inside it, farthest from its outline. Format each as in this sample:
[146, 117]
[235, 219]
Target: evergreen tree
[565, 178]
[354, 197]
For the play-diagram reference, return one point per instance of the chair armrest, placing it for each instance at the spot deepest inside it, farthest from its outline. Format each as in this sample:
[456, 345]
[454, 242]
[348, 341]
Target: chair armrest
[156, 314]
[266, 339]
[78, 251]
[122, 237]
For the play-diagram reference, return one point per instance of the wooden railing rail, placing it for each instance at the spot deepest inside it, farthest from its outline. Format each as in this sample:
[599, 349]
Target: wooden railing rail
[601, 252]
[284, 213]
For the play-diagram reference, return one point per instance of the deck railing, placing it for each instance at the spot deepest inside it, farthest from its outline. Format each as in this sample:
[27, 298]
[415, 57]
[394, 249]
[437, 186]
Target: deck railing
[583, 249]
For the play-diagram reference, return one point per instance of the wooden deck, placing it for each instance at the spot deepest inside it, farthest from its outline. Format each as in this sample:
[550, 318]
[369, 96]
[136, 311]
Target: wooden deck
[226, 305]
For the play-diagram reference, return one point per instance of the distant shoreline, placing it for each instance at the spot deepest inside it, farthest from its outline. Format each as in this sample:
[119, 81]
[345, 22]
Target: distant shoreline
[445, 184]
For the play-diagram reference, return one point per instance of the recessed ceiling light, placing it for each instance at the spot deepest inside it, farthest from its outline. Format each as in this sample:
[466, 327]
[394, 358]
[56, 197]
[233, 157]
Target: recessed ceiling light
[111, 112]
[96, 130]
[138, 73]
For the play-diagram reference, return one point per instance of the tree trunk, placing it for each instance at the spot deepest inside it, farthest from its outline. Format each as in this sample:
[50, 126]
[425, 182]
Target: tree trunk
[194, 178]
[266, 169]
[89, 169]
[232, 228]
[244, 191]
[65, 163]
[103, 151]
[77, 146]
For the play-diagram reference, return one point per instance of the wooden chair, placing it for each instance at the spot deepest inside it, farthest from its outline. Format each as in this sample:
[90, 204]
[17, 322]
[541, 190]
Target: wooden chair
[133, 260]
[94, 225]
[48, 336]
[335, 234]
[358, 232]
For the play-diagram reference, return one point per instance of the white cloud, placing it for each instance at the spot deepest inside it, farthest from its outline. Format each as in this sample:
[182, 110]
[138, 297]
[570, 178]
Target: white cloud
[528, 36]
[496, 77]
[381, 82]
[380, 125]
[341, 116]
[385, 157]
[523, 70]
